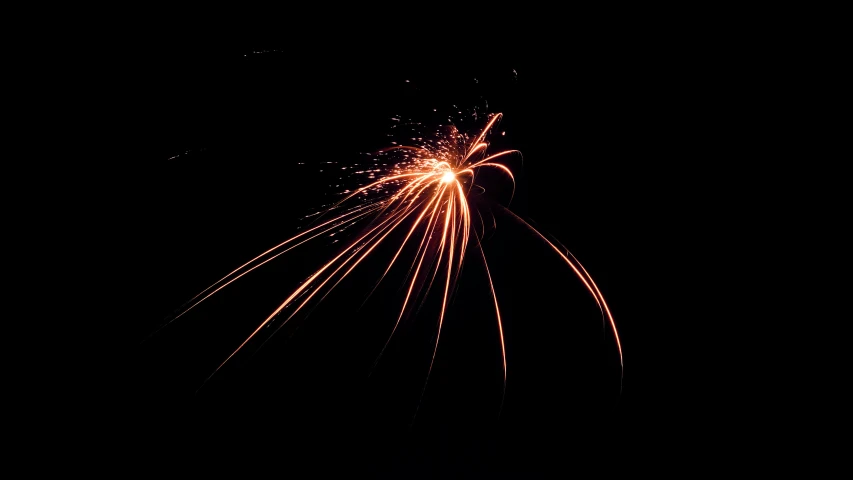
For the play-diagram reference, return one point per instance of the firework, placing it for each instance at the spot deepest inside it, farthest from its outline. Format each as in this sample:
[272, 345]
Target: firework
[424, 201]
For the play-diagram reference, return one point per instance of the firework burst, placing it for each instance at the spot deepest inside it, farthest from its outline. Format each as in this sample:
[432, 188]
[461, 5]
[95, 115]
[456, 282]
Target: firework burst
[421, 204]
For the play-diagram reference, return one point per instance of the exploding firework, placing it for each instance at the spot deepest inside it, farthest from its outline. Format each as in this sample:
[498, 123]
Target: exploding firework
[421, 210]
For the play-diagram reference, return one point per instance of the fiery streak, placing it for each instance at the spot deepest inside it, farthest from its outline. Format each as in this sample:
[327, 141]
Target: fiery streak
[429, 192]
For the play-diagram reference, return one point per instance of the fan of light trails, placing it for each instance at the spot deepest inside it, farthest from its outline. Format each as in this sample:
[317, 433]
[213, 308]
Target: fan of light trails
[425, 202]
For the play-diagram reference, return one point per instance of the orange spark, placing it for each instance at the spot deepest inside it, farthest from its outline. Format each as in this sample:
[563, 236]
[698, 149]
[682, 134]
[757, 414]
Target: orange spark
[429, 194]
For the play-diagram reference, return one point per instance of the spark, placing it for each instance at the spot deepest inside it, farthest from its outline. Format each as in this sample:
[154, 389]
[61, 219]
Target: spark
[427, 197]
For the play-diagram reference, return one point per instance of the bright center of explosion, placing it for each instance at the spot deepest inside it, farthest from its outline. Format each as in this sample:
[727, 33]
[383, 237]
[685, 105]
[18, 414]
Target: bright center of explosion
[448, 177]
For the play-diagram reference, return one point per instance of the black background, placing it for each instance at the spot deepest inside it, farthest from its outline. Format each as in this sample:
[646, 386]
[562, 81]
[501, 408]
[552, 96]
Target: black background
[617, 129]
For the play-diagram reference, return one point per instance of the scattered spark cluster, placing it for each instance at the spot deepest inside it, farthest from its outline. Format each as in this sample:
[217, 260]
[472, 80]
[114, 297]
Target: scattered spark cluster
[422, 197]
[260, 52]
[184, 153]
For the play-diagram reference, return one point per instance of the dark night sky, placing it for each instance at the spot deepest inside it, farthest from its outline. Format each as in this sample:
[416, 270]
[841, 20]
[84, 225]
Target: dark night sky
[211, 177]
